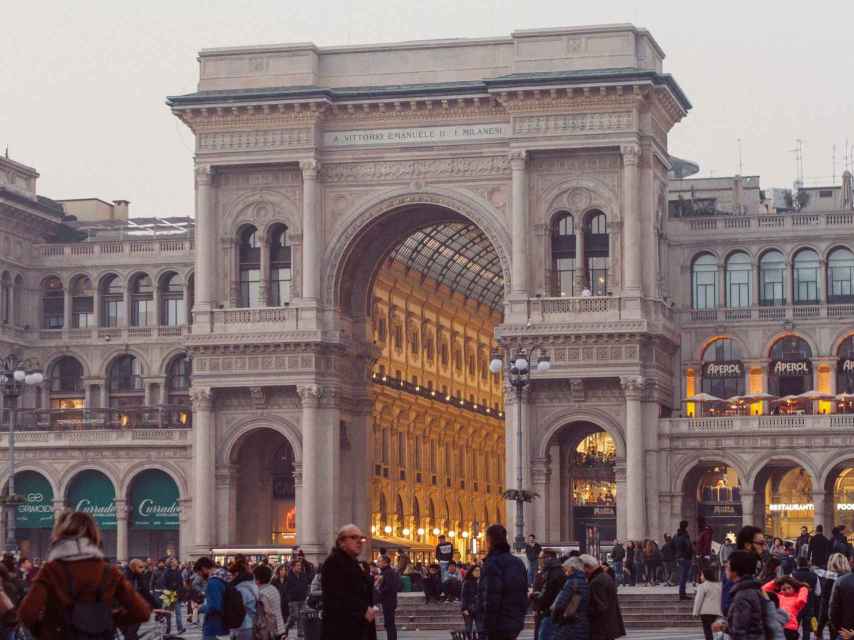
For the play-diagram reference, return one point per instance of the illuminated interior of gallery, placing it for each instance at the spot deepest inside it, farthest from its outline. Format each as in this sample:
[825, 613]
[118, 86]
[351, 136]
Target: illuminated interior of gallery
[438, 421]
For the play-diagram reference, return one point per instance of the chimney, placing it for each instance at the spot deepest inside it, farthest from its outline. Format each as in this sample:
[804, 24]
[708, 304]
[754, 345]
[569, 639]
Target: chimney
[120, 209]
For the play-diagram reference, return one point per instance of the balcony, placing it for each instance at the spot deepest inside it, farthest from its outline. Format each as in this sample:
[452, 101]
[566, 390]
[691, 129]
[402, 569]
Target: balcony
[738, 225]
[109, 250]
[257, 319]
[767, 314]
[122, 334]
[795, 424]
[125, 419]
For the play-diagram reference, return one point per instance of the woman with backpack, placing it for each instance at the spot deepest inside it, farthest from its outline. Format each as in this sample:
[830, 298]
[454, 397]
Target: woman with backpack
[76, 592]
[243, 580]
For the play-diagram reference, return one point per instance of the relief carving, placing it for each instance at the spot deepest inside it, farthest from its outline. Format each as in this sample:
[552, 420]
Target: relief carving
[411, 169]
[255, 139]
[573, 123]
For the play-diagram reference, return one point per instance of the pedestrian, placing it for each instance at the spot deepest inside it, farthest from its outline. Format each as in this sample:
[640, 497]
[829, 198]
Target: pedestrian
[629, 569]
[452, 585]
[532, 555]
[802, 545]
[271, 602]
[704, 543]
[215, 581]
[745, 619]
[618, 555]
[280, 581]
[809, 579]
[839, 543]
[547, 585]
[469, 604]
[707, 600]
[793, 598]
[837, 566]
[819, 549]
[727, 547]
[444, 555]
[173, 581]
[389, 585]
[652, 561]
[606, 619]
[570, 619]
[639, 563]
[749, 539]
[348, 593]
[502, 588]
[842, 605]
[139, 577]
[684, 552]
[297, 586]
[243, 580]
[668, 560]
[75, 570]
[432, 584]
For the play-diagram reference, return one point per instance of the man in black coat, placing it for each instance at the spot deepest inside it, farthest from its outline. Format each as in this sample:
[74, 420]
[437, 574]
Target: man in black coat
[173, 581]
[819, 548]
[503, 588]
[606, 619]
[348, 593]
[842, 603]
[547, 585]
[684, 553]
[389, 586]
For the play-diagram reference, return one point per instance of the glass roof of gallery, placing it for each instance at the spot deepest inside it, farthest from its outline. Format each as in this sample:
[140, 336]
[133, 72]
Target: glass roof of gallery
[457, 255]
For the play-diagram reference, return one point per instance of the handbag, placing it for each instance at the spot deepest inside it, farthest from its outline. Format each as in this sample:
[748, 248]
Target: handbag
[571, 609]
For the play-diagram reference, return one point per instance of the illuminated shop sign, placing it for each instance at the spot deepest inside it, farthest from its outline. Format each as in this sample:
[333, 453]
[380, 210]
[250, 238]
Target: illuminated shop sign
[729, 369]
[847, 366]
[791, 368]
[791, 507]
[845, 506]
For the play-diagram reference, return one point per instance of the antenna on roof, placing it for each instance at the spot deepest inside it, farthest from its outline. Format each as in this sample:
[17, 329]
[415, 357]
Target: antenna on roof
[799, 163]
[7, 152]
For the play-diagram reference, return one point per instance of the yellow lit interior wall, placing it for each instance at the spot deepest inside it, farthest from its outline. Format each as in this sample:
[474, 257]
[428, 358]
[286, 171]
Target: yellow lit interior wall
[755, 384]
[690, 390]
[824, 384]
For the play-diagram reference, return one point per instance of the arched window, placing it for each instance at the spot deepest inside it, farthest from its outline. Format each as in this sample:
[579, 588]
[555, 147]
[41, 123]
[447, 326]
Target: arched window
[805, 272]
[383, 510]
[739, 274]
[53, 303]
[772, 267]
[6, 298]
[563, 254]
[112, 296]
[840, 276]
[281, 273]
[66, 384]
[141, 301]
[82, 303]
[790, 367]
[399, 512]
[704, 282]
[723, 370]
[249, 258]
[178, 375]
[845, 369]
[125, 382]
[596, 252]
[173, 313]
[17, 299]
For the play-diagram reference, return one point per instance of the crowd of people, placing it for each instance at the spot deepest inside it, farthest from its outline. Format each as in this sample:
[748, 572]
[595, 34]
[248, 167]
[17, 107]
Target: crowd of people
[746, 590]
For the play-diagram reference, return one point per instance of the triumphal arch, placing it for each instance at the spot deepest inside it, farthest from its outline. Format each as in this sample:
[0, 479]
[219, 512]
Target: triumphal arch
[372, 224]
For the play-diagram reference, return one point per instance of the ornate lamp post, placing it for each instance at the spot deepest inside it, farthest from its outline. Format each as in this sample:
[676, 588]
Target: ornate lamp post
[15, 374]
[519, 376]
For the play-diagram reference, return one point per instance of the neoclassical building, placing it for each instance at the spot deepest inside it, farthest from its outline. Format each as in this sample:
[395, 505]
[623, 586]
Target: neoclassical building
[374, 225]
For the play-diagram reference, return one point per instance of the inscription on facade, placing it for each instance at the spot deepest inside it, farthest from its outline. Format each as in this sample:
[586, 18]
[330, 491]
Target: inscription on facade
[415, 135]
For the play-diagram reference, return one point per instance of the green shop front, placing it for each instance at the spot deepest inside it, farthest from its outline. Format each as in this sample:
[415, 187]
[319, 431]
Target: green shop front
[34, 516]
[154, 516]
[93, 492]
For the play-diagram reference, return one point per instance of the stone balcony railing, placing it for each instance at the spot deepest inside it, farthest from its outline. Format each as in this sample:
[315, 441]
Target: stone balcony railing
[256, 319]
[72, 253]
[595, 309]
[122, 334]
[767, 313]
[760, 224]
[756, 424]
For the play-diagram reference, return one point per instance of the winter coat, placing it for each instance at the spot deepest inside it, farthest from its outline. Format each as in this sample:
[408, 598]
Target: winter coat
[606, 619]
[503, 592]
[532, 552]
[704, 542]
[42, 610]
[707, 599]
[272, 601]
[841, 609]
[296, 586]
[245, 584]
[214, 606]
[468, 597]
[775, 620]
[172, 581]
[579, 628]
[682, 544]
[347, 595]
[553, 580]
[819, 550]
[793, 604]
[618, 553]
[390, 584]
[668, 552]
[746, 611]
[282, 587]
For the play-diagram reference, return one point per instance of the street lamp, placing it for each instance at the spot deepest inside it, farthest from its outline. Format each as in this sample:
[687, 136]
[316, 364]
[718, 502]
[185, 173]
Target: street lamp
[519, 377]
[15, 374]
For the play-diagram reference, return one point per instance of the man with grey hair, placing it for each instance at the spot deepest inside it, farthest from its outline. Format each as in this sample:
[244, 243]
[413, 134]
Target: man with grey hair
[348, 593]
[606, 619]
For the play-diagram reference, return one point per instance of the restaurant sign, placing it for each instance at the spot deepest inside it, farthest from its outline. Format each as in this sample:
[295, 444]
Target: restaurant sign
[791, 368]
[727, 369]
[809, 506]
[846, 366]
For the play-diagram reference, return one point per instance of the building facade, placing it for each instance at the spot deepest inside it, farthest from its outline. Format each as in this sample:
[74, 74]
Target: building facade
[373, 225]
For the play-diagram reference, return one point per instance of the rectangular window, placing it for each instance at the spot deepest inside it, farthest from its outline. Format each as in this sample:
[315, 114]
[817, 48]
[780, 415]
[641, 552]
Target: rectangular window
[432, 456]
[401, 449]
[173, 314]
[418, 444]
[772, 287]
[112, 312]
[597, 273]
[280, 286]
[738, 288]
[841, 284]
[54, 313]
[806, 285]
[250, 288]
[705, 289]
[141, 311]
[82, 313]
[825, 193]
[448, 461]
[565, 276]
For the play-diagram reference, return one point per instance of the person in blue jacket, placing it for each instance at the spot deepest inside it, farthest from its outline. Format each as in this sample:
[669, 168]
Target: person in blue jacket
[214, 626]
[502, 588]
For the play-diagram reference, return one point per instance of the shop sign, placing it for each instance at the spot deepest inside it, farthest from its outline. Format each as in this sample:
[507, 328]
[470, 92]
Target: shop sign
[845, 506]
[154, 501]
[791, 507]
[712, 510]
[416, 135]
[596, 511]
[847, 367]
[726, 369]
[791, 368]
[93, 493]
[37, 511]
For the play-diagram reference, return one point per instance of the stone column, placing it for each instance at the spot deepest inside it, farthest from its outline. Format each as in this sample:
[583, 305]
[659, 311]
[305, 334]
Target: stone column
[121, 530]
[184, 531]
[633, 269]
[206, 233]
[635, 498]
[540, 485]
[622, 499]
[156, 321]
[755, 284]
[555, 497]
[822, 501]
[519, 275]
[310, 231]
[748, 501]
[58, 508]
[516, 411]
[204, 481]
[309, 535]
[264, 291]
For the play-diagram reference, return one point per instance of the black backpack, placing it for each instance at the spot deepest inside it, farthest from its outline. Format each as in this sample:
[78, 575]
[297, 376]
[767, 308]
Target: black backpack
[233, 609]
[88, 620]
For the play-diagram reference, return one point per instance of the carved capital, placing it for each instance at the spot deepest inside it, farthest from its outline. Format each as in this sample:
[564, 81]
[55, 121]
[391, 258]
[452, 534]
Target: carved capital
[632, 387]
[310, 395]
[517, 159]
[204, 175]
[309, 168]
[202, 398]
[259, 397]
[631, 154]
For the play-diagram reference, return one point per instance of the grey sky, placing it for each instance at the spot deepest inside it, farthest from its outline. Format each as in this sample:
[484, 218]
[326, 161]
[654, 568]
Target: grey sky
[82, 83]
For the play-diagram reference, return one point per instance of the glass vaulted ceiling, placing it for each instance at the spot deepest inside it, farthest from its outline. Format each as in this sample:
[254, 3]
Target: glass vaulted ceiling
[457, 255]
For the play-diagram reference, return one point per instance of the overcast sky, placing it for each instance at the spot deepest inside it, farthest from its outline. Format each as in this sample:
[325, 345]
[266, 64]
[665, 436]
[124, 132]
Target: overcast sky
[83, 82]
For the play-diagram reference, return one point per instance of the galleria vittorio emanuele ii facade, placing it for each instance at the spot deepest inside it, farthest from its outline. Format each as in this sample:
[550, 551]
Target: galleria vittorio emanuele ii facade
[374, 225]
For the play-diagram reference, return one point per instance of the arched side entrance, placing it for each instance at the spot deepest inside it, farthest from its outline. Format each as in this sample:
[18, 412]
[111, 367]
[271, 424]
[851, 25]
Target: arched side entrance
[154, 515]
[784, 498]
[711, 494]
[34, 517]
[835, 503]
[92, 492]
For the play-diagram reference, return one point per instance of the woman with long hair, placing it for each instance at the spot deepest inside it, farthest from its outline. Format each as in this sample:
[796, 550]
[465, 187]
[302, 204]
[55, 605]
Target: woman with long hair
[75, 556]
[837, 566]
[793, 598]
[469, 602]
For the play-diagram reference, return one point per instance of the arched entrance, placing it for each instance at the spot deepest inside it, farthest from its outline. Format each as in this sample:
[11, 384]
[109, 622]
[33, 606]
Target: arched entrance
[34, 517]
[839, 497]
[264, 490]
[784, 493]
[154, 515]
[92, 492]
[711, 491]
[423, 285]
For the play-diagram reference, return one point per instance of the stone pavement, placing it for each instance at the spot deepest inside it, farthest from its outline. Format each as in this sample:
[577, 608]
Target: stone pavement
[663, 634]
